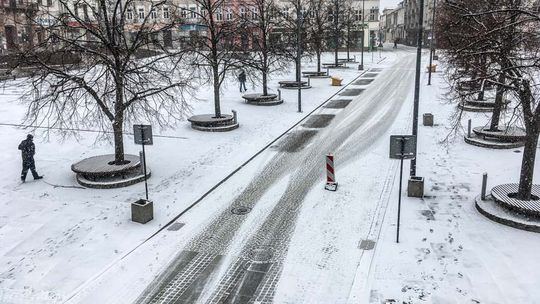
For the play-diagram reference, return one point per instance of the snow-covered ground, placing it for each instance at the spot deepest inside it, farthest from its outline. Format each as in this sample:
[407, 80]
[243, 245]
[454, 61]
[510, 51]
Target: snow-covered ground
[54, 239]
[79, 245]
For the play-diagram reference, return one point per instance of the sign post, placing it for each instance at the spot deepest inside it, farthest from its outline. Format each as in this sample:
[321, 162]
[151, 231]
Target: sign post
[402, 147]
[143, 136]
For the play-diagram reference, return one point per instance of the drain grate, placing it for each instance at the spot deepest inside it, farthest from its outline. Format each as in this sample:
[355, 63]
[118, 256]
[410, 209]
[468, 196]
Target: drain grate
[338, 104]
[176, 226]
[370, 75]
[241, 210]
[296, 141]
[363, 81]
[318, 121]
[351, 92]
[367, 245]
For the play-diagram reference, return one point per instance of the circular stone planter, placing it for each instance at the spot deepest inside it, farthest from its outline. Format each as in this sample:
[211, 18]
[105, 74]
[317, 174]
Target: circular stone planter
[493, 211]
[509, 138]
[503, 195]
[479, 106]
[262, 100]
[100, 171]
[210, 123]
[504, 134]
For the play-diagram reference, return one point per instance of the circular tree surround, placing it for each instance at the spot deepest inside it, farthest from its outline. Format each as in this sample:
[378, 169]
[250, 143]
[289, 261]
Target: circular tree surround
[101, 172]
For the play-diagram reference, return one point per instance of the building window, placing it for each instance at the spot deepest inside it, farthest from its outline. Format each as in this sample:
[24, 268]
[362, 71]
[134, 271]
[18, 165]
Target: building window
[193, 12]
[129, 14]
[219, 14]
[165, 13]
[373, 13]
[357, 15]
[243, 14]
[153, 13]
[229, 15]
[140, 13]
[49, 2]
[253, 13]
[183, 12]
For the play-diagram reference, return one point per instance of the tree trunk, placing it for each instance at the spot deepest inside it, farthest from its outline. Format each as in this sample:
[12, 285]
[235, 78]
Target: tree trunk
[318, 61]
[336, 51]
[527, 164]
[215, 72]
[118, 125]
[348, 43]
[499, 103]
[265, 81]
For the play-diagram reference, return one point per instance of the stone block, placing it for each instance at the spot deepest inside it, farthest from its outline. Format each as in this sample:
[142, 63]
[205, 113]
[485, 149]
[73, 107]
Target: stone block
[142, 211]
[415, 187]
[428, 119]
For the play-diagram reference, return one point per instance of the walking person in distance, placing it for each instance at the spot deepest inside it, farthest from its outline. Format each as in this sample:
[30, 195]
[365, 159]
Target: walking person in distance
[28, 149]
[242, 80]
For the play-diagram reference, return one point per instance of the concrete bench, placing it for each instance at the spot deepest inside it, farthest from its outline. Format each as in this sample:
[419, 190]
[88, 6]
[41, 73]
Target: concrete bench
[333, 65]
[314, 74]
[291, 84]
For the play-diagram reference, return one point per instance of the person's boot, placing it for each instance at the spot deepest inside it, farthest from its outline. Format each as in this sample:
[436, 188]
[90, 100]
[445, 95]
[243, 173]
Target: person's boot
[38, 177]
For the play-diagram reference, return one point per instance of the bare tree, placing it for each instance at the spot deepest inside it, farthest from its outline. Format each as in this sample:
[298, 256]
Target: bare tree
[317, 28]
[505, 33]
[261, 23]
[293, 43]
[216, 49]
[337, 17]
[99, 64]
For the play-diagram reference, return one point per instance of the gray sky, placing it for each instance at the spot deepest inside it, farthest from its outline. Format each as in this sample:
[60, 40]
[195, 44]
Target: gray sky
[388, 4]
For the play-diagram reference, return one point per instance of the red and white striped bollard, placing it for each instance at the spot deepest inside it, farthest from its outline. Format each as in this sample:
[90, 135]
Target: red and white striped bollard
[331, 183]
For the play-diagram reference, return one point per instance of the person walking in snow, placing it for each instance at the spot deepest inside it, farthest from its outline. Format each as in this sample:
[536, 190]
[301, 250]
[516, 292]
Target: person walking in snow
[28, 149]
[242, 80]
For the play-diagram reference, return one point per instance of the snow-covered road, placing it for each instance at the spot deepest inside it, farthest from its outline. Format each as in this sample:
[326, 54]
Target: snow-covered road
[239, 255]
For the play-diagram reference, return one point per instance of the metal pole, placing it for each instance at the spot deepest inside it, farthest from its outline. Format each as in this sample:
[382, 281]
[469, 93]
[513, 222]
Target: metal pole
[299, 53]
[433, 26]
[144, 165]
[432, 48]
[469, 128]
[484, 185]
[399, 199]
[361, 67]
[417, 82]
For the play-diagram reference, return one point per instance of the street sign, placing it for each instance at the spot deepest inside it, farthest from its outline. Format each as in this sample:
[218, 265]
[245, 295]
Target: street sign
[142, 134]
[402, 146]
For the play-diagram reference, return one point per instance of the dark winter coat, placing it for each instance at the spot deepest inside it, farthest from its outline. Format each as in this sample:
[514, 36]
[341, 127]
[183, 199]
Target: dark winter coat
[242, 77]
[28, 149]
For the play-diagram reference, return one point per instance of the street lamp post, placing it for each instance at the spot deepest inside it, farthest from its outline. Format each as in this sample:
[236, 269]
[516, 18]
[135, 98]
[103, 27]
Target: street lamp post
[361, 66]
[432, 47]
[299, 52]
[417, 81]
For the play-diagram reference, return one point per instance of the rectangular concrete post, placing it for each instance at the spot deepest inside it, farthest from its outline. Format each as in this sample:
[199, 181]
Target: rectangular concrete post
[469, 128]
[279, 94]
[308, 80]
[327, 71]
[235, 117]
[484, 185]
